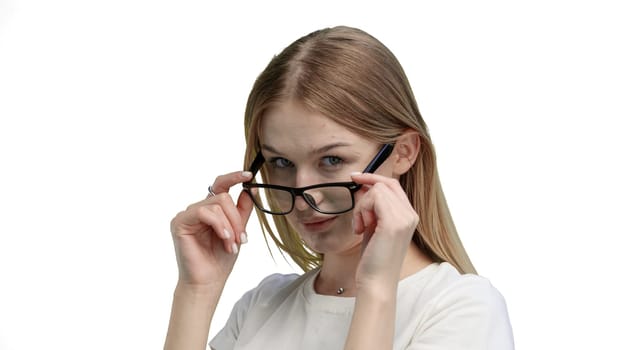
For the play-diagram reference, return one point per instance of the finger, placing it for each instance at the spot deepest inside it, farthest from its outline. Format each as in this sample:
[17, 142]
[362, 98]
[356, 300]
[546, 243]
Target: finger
[357, 223]
[231, 215]
[382, 189]
[186, 221]
[366, 238]
[215, 217]
[183, 218]
[237, 214]
[364, 217]
[369, 220]
[372, 179]
[367, 230]
[224, 182]
[245, 207]
[365, 212]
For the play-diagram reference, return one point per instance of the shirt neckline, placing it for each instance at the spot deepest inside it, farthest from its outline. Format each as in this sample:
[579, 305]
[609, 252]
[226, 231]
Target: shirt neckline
[345, 305]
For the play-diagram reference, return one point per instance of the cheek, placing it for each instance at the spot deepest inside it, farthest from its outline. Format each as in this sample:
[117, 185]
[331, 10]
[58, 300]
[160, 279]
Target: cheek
[386, 169]
[344, 225]
[291, 220]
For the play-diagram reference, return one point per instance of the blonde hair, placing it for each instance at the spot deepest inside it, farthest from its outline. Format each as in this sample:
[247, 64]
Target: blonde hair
[352, 78]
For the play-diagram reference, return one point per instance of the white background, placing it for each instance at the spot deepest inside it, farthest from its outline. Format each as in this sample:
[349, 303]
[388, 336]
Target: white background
[117, 114]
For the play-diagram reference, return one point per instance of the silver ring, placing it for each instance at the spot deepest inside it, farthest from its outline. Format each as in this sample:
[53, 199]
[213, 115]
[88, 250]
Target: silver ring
[210, 191]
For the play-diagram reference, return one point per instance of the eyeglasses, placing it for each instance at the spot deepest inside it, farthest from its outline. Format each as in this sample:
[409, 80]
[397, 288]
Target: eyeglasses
[326, 198]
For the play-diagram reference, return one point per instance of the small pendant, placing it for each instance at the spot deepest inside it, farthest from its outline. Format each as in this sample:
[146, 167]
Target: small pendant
[340, 291]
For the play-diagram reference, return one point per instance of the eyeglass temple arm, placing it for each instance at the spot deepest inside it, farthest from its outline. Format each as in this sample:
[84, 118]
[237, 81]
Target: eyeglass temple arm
[257, 163]
[382, 155]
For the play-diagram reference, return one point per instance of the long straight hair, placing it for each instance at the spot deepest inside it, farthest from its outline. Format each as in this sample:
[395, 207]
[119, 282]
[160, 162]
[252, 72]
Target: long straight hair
[351, 77]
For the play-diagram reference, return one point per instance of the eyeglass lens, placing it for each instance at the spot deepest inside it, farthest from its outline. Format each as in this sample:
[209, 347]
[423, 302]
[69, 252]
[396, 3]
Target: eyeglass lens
[331, 199]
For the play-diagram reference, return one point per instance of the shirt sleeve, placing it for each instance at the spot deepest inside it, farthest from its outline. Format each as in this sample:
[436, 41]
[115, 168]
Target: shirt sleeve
[228, 335]
[225, 339]
[469, 315]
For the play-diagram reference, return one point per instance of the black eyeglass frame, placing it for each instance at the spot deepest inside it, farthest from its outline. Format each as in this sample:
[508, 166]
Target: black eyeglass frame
[259, 160]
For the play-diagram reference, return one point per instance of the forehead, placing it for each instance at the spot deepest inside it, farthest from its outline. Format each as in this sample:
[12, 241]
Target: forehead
[290, 124]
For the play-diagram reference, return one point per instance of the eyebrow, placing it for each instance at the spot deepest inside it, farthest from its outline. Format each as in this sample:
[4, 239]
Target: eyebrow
[322, 149]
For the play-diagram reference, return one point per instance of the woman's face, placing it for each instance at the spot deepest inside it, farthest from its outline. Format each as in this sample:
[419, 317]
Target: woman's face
[304, 148]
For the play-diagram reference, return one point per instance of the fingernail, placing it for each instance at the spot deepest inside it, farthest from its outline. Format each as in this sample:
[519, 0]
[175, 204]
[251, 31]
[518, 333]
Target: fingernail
[234, 248]
[247, 174]
[355, 173]
[227, 234]
[243, 238]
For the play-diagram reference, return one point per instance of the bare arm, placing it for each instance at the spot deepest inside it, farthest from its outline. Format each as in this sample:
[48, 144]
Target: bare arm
[191, 316]
[373, 321]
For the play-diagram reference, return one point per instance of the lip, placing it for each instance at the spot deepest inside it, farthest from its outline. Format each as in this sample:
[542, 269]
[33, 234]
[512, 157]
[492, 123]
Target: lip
[318, 224]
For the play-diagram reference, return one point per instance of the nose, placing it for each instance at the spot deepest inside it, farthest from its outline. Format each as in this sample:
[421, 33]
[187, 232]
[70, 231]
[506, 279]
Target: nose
[300, 204]
[309, 198]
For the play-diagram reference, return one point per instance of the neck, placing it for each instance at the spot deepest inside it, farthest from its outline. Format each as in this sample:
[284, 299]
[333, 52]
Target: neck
[339, 270]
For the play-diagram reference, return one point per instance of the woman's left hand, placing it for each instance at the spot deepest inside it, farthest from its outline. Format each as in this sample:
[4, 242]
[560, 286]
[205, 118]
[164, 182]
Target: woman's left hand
[386, 219]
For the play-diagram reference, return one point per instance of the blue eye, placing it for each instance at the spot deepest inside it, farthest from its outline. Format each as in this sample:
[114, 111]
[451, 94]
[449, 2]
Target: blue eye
[280, 163]
[332, 161]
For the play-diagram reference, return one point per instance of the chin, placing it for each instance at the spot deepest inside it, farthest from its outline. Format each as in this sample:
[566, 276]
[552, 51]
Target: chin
[328, 242]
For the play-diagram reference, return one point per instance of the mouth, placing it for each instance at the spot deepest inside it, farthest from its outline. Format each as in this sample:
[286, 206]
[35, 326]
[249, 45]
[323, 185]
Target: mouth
[318, 224]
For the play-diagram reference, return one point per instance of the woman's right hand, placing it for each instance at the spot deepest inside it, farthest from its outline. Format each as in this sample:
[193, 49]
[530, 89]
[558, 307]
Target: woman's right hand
[207, 235]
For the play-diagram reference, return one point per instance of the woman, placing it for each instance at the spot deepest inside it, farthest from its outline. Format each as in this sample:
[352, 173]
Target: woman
[341, 159]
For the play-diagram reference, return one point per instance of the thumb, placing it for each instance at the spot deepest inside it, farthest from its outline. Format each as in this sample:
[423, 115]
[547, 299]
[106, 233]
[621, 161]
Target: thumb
[245, 207]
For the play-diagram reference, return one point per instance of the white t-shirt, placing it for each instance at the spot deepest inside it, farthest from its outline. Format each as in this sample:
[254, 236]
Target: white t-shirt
[437, 308]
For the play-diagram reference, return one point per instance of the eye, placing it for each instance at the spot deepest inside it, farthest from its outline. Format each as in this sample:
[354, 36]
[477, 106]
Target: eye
[331, 161]
[280, 163]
